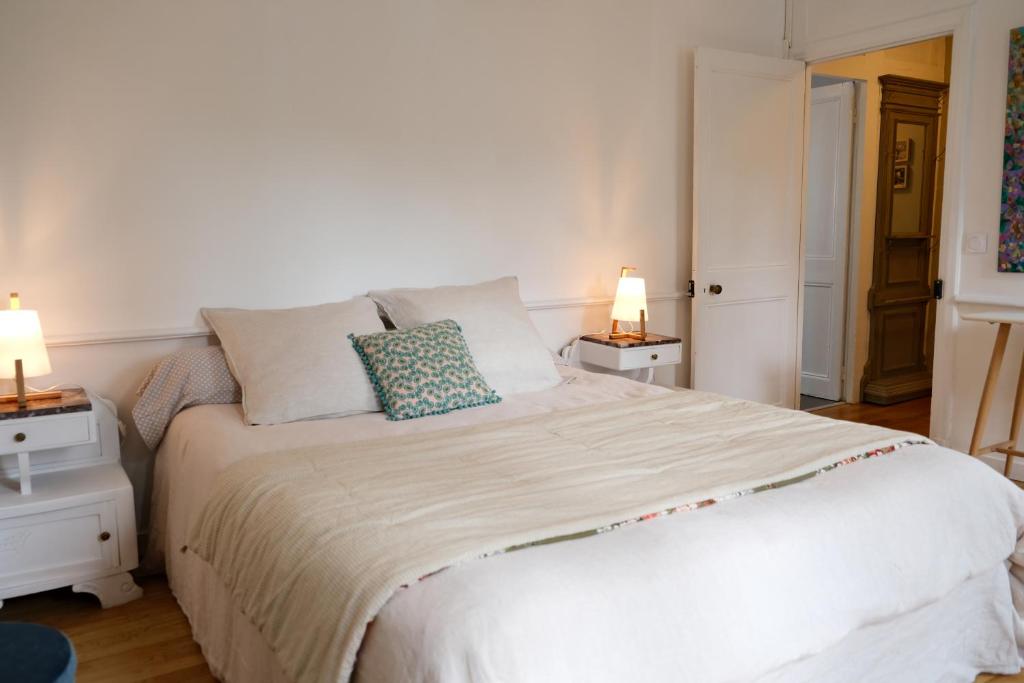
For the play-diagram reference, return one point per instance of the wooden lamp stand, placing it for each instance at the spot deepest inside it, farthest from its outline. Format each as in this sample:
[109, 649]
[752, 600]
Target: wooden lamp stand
[20, 396]
[641, 335]
[629, 296]
[22, 330]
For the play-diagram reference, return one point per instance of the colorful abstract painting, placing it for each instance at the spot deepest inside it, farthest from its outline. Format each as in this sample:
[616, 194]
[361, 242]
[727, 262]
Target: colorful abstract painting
[1011, 224]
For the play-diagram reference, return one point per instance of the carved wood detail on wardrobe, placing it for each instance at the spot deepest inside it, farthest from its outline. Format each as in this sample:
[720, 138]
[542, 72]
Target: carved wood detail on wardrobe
[906, 244]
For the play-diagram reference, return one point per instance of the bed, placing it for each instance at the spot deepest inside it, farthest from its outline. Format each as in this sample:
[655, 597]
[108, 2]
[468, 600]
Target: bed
[894, 567]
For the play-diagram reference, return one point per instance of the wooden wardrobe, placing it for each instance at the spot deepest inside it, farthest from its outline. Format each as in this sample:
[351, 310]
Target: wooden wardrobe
[901, 302]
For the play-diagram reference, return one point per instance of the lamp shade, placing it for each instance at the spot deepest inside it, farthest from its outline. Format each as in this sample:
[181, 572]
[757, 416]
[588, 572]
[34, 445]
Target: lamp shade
[21, 336]
[630, 299]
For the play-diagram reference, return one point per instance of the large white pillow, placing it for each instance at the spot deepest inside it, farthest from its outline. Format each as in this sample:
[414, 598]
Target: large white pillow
[297, 363]
[505, 345]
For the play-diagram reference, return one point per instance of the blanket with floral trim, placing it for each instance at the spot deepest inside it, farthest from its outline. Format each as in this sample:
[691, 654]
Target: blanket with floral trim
[313, 542]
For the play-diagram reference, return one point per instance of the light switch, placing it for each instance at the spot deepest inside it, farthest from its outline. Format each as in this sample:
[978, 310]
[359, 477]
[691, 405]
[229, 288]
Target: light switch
[977, 243]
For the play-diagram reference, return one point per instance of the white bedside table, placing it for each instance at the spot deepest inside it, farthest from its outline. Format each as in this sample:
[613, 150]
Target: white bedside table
[631, 354]
[67, 513]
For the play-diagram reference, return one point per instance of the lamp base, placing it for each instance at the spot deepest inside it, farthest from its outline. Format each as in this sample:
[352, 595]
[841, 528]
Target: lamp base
[641, 335]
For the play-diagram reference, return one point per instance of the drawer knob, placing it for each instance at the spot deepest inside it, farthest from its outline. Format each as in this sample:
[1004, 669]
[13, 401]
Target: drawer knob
[19, 437]
[654, 356]
[105, 536]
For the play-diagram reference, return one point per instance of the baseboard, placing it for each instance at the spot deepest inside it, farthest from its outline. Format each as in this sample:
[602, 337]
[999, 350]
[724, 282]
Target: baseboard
[898, 389]
[997, 461]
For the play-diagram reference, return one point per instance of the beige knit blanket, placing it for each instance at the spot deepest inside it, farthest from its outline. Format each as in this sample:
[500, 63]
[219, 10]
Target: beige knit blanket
[313, 542]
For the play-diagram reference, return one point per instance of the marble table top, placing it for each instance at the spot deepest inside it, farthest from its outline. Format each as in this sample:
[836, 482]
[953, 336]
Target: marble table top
[70, 401]
[652, 340]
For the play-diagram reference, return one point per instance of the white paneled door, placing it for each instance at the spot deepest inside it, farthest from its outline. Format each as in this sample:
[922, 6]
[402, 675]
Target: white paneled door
[748, 160]
[826, 240]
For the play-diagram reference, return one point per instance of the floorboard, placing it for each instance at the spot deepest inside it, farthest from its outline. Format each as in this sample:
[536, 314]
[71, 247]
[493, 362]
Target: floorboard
[911, 416]
[145, 640]
[150, 639]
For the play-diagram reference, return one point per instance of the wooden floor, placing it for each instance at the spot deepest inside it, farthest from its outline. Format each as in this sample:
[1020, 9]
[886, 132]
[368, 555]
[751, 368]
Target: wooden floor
[150, 640]
[145, 640]
[911, 416]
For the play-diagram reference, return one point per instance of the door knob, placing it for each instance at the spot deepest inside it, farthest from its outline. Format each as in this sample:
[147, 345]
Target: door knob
[715, 289]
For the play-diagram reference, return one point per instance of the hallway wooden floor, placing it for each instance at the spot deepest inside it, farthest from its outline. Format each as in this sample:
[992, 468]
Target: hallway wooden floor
[911, 416]
[150, 639]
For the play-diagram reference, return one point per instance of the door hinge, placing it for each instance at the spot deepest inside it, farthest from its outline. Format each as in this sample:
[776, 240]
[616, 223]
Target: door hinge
[690, 288]
[937, 289]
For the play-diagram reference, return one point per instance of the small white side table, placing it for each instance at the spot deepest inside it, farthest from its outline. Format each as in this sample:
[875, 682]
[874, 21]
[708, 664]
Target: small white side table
[631, 354]
[67, 512]
[1005, 320]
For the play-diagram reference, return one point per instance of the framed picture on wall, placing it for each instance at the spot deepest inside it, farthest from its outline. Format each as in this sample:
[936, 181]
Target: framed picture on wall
[902, 154]
[900, 176]
[1011, 218]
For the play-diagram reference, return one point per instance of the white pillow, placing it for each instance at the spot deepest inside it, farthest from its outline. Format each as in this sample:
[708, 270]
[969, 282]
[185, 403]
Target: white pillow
[297, 363]
[505, 345]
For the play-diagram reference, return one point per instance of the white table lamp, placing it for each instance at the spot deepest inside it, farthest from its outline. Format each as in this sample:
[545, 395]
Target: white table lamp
[22, 349]
[630, 305]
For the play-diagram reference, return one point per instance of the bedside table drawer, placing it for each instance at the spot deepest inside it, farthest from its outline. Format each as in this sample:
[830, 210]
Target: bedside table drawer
[631, 358]
[76, 540]
[40, 433]
[651, 356]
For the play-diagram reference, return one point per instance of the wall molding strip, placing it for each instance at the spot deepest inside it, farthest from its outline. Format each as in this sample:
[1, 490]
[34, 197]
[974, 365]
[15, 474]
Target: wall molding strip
[987, 300]
[126, 336]
[171, 333]
[584, 302]
[939, 23]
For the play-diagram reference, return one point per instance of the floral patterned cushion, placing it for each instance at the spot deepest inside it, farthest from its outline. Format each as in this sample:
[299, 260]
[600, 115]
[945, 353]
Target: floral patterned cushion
[423, 370]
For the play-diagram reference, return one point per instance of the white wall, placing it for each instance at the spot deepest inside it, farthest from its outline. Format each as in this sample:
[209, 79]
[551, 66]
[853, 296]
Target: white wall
[828, 27]
[163, 156]
[979, 279]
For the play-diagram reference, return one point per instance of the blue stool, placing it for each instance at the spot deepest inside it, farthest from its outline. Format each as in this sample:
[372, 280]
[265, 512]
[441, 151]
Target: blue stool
[31, 653]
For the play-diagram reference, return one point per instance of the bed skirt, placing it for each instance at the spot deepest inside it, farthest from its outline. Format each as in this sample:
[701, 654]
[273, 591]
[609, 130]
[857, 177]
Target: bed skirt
[973, 629]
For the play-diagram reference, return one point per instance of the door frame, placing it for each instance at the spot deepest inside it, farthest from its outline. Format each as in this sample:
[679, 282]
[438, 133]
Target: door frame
[959, 23]
[851, 387]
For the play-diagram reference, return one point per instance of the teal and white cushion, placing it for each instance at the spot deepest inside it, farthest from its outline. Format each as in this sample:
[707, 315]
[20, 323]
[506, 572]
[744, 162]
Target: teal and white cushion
[423, 370]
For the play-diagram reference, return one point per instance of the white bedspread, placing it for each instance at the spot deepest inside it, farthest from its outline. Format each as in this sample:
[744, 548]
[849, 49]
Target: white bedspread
[727, 594]
[730, 592]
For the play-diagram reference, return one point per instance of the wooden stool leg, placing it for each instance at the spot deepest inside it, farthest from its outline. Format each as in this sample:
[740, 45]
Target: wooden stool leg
[1018, 418]
[998, 350]
[1018, 407]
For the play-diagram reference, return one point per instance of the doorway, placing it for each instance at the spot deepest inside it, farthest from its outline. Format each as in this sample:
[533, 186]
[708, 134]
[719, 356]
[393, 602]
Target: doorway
[872, 225]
